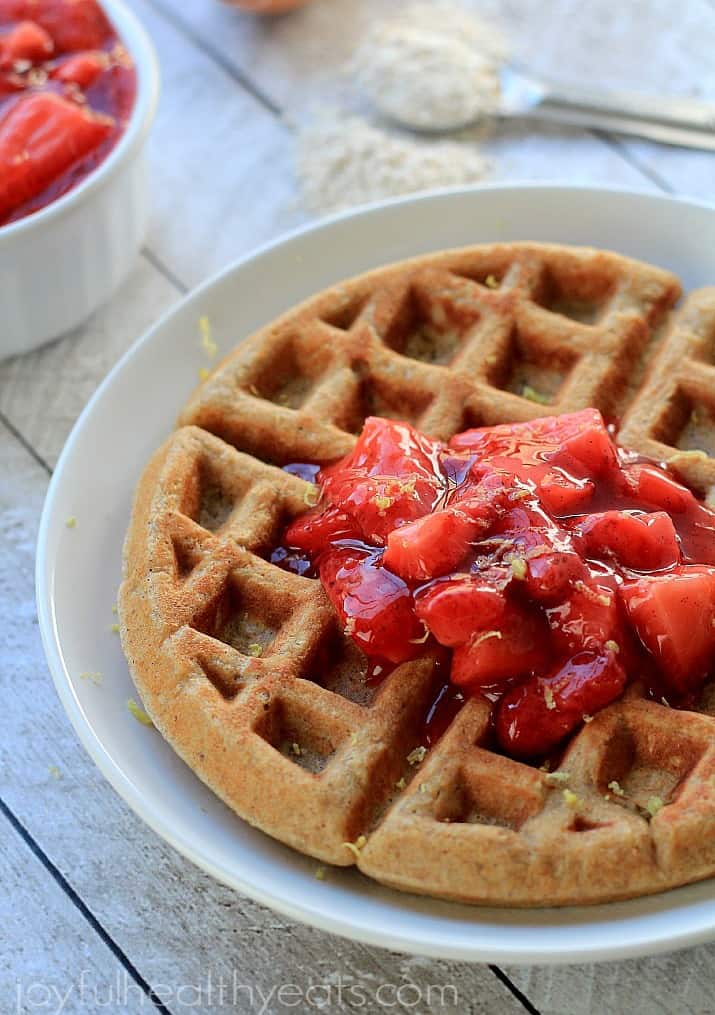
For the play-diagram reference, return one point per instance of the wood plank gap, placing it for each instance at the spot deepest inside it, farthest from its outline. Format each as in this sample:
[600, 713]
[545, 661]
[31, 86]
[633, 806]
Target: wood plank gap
[21, 439]
[521, 998]
[226, 65]
[168, 274]
[619, 147]
[79, 904]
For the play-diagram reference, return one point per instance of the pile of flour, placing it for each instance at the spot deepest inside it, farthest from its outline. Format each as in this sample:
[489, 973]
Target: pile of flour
[432, 65]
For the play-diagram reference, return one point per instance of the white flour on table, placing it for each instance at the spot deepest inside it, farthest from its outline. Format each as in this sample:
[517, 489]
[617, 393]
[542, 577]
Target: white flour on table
[344, 158]
[345, 161]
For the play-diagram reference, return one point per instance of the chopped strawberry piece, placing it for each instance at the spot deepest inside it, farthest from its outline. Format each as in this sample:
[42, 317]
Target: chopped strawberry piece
[41, 136]
[26, 41]
[564, 494]
[431, 546]
[577, 436]
[388, 448]
[674, 615]
[535, 717]
[643, 542]
[528, 537]
[515, 646]
[380, 504]
[454, 610]
[73, 24]
[589, 443]
[697, 535]
[550, 573]
[81, 69]
[391, 478]
[486, 496]
[375, 607]
[587, 619]
[318, 529]
[540, 553]
[656, 488]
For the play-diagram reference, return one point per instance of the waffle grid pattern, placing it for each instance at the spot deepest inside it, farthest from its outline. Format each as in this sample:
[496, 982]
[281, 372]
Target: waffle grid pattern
[243, 667]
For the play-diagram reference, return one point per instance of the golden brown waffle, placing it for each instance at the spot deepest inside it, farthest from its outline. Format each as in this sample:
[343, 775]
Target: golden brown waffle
[243, 667]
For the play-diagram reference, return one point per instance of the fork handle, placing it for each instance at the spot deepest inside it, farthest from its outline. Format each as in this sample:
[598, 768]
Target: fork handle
[684, 137]
[683, 113]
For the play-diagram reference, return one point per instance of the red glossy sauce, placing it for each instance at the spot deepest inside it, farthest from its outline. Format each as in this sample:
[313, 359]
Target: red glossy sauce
[544, 565]
[67, 90]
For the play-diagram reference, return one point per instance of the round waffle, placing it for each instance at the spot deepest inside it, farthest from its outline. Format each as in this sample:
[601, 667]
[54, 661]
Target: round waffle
[243, 666]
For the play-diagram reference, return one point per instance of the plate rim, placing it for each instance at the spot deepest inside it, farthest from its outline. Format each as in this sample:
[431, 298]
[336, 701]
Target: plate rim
[414, 942]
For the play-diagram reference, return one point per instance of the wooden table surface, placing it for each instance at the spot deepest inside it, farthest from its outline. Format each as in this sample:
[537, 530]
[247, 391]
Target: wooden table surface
[95, 909]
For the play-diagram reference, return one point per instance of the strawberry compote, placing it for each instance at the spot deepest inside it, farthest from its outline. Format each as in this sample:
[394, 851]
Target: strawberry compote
[67, 89]
[552, 565]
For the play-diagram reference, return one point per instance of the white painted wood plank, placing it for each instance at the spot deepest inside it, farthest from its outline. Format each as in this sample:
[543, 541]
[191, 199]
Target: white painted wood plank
[220, 164]
[175, 923]
[43, 392]
[677, 984]
[49, 954]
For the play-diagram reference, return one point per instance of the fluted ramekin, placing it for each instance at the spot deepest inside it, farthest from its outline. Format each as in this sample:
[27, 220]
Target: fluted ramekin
[60, 264]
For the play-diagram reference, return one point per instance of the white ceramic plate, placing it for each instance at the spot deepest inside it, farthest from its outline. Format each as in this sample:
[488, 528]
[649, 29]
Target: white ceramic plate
[78, 569]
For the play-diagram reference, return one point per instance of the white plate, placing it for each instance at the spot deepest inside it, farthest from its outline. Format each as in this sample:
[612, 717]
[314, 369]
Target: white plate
[78, 569]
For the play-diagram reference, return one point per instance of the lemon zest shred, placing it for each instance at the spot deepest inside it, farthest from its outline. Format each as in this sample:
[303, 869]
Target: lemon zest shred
[595, 597]
[571, 799]
[93, 677]
[655, 804]
[549, 698]
[518, 568]
[535, 396]
[484, 636]
[491, 282]
[319, 874]
[417, 755]
[139, 714]
[114, 628]
[254, 649]
[54, 771]
[356, 846]
[615, 788]
[557, 778]
[207, 341]
[71, 522]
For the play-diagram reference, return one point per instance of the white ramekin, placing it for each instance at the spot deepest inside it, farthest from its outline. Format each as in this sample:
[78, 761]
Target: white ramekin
[58, 265]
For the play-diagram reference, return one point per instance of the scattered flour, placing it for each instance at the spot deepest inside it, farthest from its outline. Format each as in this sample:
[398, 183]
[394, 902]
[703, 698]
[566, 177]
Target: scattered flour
[432, 66]
[344, 161]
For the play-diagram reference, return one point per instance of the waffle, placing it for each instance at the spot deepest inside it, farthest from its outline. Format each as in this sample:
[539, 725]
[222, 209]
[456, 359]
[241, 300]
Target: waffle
[243, 666]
